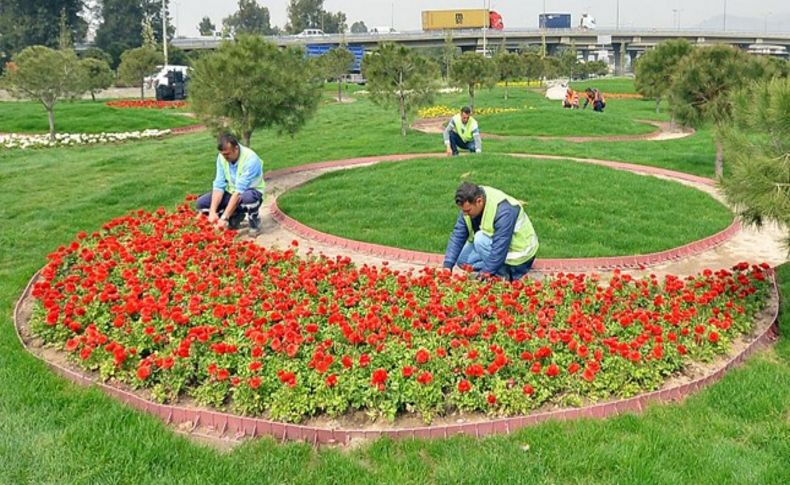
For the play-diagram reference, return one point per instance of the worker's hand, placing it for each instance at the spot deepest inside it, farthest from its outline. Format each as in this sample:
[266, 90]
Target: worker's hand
[221, 223]
[449, 151]
[478, 151]
[213, 217]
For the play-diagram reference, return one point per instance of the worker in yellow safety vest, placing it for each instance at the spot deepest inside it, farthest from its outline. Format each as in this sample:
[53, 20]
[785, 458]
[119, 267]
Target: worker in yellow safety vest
[238, 187]
[492, 235]
[462, 132]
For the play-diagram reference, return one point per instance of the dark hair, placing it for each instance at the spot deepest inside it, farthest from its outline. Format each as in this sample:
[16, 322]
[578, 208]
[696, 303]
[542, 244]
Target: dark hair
[467, 110]
[226, 138]
[588, 90]
[468, 192]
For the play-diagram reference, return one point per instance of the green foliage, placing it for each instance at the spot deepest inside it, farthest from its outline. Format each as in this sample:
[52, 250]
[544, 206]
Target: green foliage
[655, 68]
[472, 70]
[251, 84]
[120, 28]
[98, 75]
[95, 53]
[25, 23]
[149, 40]
[359, 27]
[704, 83]
[400, 76]
[310, 14]
[45, 75]
[138, 63]
[533, 65]
[335, 64]
[250, 18]
[510, 67]
[450, 52]
[593, 68]
[206, 26]
[757, 145]
[567, 62]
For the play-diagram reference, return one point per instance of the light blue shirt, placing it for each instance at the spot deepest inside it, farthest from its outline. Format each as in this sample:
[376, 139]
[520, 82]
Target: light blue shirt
[253, 169]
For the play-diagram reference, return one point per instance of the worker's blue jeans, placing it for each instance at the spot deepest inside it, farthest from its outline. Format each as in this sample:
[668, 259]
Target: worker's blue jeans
[456, 142]
[474, 255]
[249, 202]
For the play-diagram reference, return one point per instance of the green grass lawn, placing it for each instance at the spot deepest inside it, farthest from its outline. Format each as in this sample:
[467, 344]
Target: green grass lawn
[51, 431]
[607, 85]
[86, 117]
[578, 210]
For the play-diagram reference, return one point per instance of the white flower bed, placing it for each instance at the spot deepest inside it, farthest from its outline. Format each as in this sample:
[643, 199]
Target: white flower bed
[13, 140]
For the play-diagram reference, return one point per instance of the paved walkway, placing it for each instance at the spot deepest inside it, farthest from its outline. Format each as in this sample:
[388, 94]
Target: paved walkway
[742, 244]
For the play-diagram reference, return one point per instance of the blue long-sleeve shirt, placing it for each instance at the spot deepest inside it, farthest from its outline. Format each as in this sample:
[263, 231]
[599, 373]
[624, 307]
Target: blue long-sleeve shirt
[504, 226]
[253, 169]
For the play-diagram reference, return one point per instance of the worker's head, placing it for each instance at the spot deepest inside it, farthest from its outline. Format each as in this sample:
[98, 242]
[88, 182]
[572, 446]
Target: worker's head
[470, 198]
[466, 112]
[228, 146]
[588, 90]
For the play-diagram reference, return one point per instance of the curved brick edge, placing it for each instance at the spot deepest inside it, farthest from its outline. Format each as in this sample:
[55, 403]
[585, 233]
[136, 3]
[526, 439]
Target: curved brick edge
[238, 427]
[184, 130]
[431, 125]
[549, 265]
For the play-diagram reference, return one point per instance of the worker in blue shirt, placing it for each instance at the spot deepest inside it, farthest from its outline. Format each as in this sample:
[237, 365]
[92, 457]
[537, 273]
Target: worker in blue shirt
[238, 187]
[493, 234]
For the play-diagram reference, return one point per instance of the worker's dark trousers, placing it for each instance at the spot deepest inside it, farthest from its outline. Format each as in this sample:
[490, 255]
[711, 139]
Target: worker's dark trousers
[456, 142]
[250, 202]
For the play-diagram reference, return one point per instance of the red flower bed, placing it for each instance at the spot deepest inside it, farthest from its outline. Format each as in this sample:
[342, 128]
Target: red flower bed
[145, 103]
[163, 301]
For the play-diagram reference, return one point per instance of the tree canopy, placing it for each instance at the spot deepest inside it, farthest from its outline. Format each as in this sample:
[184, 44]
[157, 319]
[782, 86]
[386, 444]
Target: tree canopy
[510, 67]
[310, 14]
[703, 86]
[138, 63]
[25, 23]
[45, 75]
[121, 24]
[206, 26]
[655, 68]
[98, 75]
[757, 145]
[399, 76]
[473, 69]
[359, 27]
[335, 64]
[250, 84]
[250, 18]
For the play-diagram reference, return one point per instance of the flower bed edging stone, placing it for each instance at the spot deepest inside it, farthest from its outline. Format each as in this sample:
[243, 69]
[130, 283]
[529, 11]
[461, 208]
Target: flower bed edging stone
[548, 265]
[236, 427]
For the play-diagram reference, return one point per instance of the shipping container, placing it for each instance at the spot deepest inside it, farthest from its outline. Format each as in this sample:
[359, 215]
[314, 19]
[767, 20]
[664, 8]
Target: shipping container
[554, 21]
[455, 19]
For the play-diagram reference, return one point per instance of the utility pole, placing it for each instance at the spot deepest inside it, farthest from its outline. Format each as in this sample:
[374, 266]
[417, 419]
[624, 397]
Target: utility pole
[618, 14]
[164, 30]
[485, 27]
[724, 23]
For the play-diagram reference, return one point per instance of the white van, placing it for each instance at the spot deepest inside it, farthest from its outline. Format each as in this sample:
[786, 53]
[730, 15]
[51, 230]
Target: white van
[310, 33]
[160, 77]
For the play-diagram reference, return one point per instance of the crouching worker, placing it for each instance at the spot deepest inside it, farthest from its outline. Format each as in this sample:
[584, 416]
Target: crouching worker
[493, 234]
[462, 132]
[595, 97]
[237, 189]
[571, 99]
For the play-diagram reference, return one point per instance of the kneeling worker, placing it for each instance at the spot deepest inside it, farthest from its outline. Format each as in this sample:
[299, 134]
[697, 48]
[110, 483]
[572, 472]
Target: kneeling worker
[237, 189]
[462, 132]
[492, 234]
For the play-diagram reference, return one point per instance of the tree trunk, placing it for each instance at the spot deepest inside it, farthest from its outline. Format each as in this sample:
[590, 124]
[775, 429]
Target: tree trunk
[472, 97]
[245, 137]
[505, 89]
[339, 90]
[402, 108]
[719, 159]
[93, 96]
[142, 89]
[658, 103]
[51, 116]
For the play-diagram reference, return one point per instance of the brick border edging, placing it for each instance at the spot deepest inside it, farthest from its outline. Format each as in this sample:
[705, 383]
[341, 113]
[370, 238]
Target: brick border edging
[239, 426]
[185, 130]
[549, 265]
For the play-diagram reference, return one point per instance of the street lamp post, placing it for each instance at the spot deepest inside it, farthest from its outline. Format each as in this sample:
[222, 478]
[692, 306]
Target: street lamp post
[618, 14]
[724, 22]
[164, 30]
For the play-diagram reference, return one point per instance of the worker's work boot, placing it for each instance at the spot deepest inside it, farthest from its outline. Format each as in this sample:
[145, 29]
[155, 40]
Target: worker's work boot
[255, 224]
[235, 220]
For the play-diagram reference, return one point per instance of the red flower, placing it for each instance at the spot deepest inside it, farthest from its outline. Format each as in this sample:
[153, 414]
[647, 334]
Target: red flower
[425, 378]
[331, 380]
[422, 356]
[347, 361]
[143, 372]
[379, 377]
[491, 399]
[464, 386]
[254, 382]
[222, 374]
[528, 390]
[552, 370]
[573, 368]
[713, 337]
[408, 371]
[588, 375]
[364, 360]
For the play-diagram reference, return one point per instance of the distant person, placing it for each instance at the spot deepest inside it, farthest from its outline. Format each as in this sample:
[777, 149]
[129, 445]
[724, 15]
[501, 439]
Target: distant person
[571, 99]
[462, 132]
[238, 187]
[595, 97]
[492, 234]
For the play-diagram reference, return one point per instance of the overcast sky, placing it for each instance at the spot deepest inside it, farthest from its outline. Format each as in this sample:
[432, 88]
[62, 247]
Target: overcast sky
[405, 14]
